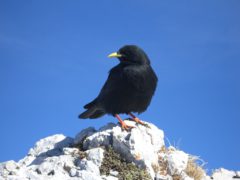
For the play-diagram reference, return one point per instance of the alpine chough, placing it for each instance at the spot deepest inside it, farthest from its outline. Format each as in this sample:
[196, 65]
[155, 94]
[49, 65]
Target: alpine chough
[129, 87]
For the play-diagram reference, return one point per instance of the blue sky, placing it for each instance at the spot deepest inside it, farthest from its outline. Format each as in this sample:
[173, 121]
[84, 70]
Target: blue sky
[53, 60]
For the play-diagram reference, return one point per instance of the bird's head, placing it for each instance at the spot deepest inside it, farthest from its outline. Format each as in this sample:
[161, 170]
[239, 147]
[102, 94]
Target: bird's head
[131, 54]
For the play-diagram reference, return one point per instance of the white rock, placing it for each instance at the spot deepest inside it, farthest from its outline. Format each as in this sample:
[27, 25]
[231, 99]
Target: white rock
[73, 172]
[83, 134]
[187, 178]
[95, 155]
[184, 176]
[223, 174]
[55, 158]
[109, 178]
[113, 173]
[71, 151]
[49, 166]
[51, 145]
[9, 167]
[101, 138]
[177, 161]
[13, 177]
[140, 145]
[162, 177]
[30, 175]
[85, 175]
[26, 160]
[89, 166]
[68, 162]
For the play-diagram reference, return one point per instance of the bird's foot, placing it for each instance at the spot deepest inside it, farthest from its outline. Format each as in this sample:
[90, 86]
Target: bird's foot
[138, 121]
[123, 124]
[126, 127]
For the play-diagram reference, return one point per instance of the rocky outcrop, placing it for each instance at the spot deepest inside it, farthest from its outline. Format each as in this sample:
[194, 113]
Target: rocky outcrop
[108, 154]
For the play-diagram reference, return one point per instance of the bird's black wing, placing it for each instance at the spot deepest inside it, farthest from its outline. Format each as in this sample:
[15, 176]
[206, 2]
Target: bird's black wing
[113, 84]
[96, 108]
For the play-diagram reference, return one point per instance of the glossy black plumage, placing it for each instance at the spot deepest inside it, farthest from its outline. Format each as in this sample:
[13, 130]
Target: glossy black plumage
[129, 87]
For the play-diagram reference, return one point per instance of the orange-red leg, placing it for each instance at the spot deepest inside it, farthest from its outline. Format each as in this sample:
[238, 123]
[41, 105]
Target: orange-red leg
[136, 119]
[123, 124]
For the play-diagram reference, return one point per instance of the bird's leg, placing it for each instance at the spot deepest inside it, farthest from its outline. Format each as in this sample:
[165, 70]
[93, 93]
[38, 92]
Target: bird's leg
[123, 124]
[137, 120]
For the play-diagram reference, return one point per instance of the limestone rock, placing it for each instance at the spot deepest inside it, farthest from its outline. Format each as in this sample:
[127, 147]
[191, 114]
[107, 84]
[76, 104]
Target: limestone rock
[83, 134]
[177, 161]
[224, 174]
[60, 157]
[95, 155]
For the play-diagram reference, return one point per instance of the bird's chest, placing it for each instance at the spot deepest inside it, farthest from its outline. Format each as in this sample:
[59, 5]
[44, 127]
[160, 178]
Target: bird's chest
[136, 80]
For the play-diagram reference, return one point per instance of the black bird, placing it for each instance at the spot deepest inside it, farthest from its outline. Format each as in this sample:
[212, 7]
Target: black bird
[129, 87]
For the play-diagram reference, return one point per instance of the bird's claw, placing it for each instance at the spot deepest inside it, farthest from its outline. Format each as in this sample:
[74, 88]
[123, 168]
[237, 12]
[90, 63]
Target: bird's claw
[138, 121]
[146, 125]
[126, 127]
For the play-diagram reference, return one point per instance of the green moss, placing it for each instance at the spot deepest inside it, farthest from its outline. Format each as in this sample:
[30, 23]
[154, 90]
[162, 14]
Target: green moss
[127, 171]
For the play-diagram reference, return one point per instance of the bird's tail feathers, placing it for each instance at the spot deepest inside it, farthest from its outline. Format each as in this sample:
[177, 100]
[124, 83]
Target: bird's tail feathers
[89, 105]
[97, 114]
[92, 113]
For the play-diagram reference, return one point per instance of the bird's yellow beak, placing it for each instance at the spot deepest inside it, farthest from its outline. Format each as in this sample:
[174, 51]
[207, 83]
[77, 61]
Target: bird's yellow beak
[115, 54]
